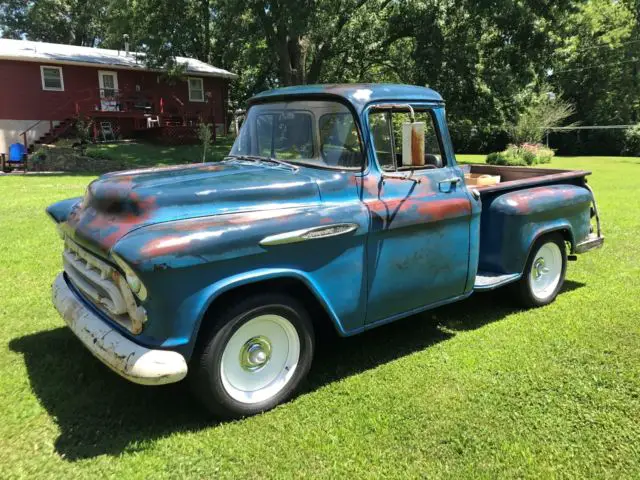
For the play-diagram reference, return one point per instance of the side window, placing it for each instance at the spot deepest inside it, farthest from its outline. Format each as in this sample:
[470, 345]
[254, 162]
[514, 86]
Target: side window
[339, 141]
[379, 125]
[389, 138]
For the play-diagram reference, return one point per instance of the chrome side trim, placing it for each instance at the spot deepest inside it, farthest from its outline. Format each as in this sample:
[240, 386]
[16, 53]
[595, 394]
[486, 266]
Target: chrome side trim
[490, 281]
[313, 233]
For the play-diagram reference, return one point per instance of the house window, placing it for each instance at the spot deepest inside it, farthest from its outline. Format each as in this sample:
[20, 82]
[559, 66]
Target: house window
[196, 90]
[52, 78]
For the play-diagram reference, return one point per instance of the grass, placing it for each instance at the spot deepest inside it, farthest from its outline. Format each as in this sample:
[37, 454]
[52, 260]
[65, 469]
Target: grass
[476, 389]
[142, 154]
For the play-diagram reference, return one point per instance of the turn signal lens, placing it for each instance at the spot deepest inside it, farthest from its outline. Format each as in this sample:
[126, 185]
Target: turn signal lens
[132, 279]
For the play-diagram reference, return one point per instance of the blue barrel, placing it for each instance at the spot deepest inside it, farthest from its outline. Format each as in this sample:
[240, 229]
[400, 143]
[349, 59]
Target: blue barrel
[17, 152]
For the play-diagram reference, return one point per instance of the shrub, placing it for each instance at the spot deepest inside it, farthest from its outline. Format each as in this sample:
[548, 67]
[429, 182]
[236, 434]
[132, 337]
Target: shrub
[526, 154]
[632, 141]
[205, 135]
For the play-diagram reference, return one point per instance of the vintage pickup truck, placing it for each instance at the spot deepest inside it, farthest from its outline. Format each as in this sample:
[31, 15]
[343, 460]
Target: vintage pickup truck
[337, 203]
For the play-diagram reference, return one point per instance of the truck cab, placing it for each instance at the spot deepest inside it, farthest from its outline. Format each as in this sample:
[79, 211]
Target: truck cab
[340, 204]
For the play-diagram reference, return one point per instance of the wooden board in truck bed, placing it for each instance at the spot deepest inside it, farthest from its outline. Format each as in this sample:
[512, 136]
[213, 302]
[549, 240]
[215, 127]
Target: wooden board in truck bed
[519, 177]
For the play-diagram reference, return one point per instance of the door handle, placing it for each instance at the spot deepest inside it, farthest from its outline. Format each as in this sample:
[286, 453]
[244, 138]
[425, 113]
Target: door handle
[446, 186]
[453, 180]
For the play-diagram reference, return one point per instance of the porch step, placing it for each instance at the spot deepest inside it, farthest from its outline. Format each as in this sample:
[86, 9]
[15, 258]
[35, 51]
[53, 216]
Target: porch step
[52, 135]
[491, 280]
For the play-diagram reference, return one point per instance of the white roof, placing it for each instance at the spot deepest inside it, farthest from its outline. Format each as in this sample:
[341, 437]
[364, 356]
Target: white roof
[55, 53]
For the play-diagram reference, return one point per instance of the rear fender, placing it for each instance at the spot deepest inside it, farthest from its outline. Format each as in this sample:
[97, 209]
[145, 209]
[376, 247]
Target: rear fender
[515, 220]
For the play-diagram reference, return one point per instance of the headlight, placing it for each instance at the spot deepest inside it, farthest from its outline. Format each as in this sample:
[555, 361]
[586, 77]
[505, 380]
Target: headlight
[132, 279]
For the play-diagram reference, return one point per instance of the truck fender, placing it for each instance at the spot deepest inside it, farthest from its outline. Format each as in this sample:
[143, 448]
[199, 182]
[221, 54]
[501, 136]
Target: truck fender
[514, 221]
[564, 228]
[214, 291]
[60, 211]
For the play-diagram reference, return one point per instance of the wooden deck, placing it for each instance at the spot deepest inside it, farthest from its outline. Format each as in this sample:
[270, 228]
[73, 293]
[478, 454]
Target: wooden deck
[161, 128]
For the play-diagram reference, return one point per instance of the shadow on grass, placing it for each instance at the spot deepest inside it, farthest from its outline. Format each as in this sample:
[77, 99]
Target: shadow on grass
[100, 413]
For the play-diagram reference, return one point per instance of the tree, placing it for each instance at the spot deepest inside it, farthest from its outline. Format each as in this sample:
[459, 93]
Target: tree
[596, 62]
[545, 112]
[302, 36]
[76, 22]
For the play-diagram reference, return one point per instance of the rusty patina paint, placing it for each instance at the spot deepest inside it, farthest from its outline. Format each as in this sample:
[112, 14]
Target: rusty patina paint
[179, 237]
[192, 232]
[531, 200]
[358, 95]
[512, 221]
[107, 213]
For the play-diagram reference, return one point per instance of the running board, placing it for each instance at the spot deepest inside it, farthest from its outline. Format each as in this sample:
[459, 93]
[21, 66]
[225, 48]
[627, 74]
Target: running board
[491, 280]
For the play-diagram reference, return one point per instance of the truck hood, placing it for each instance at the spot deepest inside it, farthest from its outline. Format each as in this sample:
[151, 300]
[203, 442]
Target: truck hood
[118, 203]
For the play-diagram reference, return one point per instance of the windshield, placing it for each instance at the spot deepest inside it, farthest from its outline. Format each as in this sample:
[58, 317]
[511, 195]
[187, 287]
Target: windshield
[315, 133]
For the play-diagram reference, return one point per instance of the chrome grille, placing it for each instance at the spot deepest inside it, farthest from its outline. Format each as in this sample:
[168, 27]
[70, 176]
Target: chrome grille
[103, 285]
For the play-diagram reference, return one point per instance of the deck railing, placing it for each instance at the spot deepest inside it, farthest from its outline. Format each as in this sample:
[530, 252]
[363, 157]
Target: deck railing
[93, 101]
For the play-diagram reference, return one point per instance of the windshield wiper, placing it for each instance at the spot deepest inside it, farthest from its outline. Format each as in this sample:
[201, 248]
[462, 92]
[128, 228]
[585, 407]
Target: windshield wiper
[258, 158]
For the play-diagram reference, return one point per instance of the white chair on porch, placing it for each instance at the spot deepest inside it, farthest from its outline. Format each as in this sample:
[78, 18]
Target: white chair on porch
[106, 130]
[153, 121]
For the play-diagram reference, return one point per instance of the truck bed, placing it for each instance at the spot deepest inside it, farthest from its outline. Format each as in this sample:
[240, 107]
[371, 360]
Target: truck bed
[516, 178]
[502, 233]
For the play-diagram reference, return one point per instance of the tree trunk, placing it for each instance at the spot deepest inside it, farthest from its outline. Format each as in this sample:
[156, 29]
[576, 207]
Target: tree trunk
[296, 61]
[206, 41]
[284, 63]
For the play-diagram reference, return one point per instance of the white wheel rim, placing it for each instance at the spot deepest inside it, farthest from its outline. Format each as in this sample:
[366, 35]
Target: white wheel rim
[546, 271]
[260, 358]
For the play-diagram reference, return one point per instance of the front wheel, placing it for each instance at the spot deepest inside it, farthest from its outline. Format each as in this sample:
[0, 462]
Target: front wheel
[545, 271]
[255, 357]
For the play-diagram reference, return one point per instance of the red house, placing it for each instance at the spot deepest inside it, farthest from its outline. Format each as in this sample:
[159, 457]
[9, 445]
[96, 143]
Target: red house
[44, 87]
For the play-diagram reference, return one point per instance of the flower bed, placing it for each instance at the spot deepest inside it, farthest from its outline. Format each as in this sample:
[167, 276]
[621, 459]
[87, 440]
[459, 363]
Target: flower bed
[526, 154]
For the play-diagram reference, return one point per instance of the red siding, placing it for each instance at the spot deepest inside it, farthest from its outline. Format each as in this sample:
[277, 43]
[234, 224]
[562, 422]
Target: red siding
[22, 97]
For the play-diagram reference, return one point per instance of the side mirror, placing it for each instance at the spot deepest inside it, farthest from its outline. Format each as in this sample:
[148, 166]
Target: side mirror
[413, 143]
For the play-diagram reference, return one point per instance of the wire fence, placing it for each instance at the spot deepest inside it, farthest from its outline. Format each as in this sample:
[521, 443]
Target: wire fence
[589, 139]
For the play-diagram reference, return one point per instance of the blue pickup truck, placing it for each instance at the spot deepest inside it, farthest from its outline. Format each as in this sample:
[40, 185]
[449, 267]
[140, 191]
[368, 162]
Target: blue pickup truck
[337, 203]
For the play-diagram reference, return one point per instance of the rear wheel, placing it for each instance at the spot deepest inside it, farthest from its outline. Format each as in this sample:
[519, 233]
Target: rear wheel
[544, 273]
[255, 357]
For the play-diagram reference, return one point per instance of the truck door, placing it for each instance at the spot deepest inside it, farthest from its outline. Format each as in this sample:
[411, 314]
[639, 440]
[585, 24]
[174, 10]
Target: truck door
[418, 245]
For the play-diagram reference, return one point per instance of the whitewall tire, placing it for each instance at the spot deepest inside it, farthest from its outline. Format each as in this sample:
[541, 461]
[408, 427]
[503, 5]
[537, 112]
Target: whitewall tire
[545, 271]
[254, 357]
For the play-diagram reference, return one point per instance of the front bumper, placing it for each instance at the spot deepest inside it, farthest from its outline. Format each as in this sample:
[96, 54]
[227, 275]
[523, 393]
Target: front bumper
[592, 242]
[128, 359]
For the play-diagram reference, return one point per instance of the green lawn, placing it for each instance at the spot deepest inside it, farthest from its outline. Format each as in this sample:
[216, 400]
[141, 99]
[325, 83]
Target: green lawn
[476, 389]
[140, 154]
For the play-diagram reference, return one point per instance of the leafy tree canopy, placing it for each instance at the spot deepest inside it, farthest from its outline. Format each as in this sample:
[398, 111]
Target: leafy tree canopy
[489, 58]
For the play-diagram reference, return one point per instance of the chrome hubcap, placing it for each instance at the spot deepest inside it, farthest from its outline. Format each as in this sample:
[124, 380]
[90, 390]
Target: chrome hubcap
[540, 268]
[260, 358]
[255, 353]
[546, 271]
